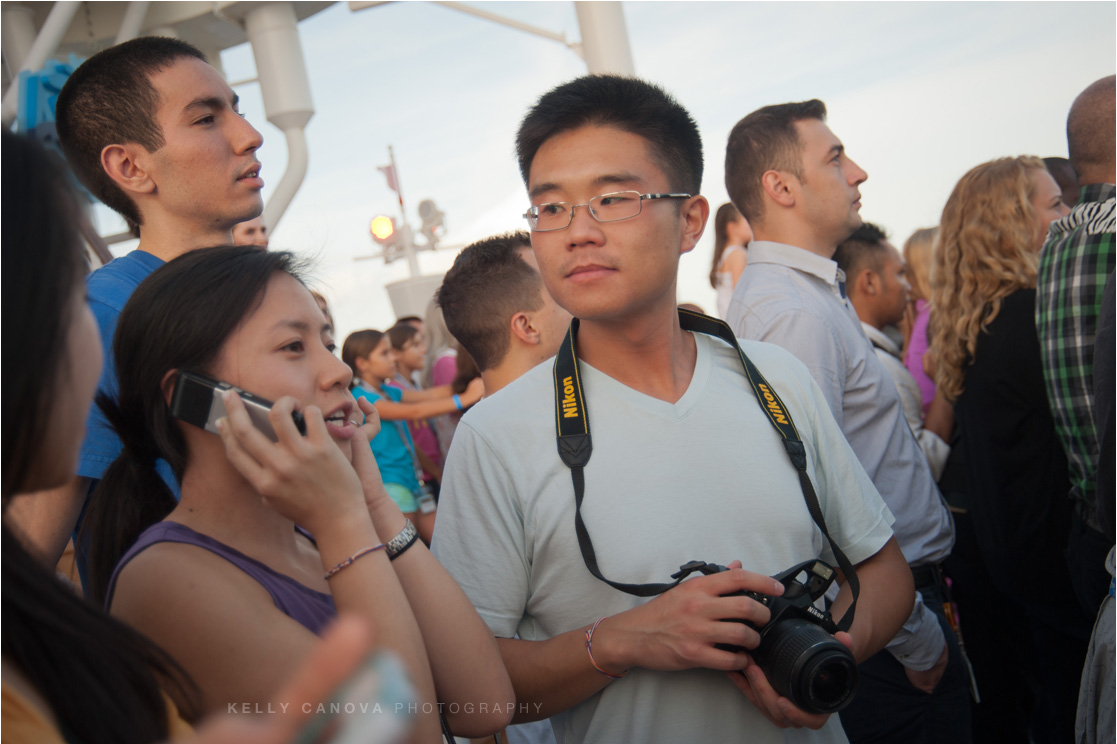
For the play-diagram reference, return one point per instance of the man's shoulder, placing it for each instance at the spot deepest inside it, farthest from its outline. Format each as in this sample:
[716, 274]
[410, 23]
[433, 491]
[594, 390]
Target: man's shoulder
[772, 289]
[782, 369]
[767, 354]
[528, 394]
[113, 283]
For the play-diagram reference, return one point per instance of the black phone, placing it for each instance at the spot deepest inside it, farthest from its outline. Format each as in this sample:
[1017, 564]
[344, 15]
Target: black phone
[197, 400]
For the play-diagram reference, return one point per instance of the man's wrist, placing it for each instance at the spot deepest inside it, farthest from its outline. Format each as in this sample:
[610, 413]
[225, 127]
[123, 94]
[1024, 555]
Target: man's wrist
[920, 642]
[605, 650]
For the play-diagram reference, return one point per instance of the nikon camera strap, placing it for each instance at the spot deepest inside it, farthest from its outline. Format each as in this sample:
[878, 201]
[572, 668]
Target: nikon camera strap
[575, 447]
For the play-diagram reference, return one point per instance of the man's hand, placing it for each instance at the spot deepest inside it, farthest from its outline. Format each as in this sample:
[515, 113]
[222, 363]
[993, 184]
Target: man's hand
[680, 628]
[779, 710]
[928, 679]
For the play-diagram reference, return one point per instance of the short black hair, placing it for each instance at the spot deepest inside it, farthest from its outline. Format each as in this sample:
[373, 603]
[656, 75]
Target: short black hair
[864, 249]
[488, 284]
[109, 100]
[628, 104]
[1090, 125]
[765, 140]
[1065, 177]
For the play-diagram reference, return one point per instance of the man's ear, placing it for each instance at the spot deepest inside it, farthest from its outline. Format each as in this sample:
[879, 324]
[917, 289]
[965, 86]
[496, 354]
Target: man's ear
[168, 385]
[696, 211]
[868, 282]
[124, 164]
[778, 186]
[523, 328]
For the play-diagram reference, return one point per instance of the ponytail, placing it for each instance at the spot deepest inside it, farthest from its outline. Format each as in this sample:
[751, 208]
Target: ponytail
[130, 497]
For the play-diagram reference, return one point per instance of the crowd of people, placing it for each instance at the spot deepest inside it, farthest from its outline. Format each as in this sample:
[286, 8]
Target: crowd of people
[925, 433]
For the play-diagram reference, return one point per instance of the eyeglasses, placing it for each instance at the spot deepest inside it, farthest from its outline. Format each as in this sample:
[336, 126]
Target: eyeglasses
[619, 205]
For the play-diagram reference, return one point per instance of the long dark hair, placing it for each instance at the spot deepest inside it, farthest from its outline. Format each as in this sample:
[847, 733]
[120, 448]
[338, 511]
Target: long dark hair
[101, 679]
[726, 214]
[177, 319]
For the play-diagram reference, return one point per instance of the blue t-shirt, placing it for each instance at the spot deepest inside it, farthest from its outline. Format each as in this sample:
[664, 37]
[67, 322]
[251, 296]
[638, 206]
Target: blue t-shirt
[108, 289]
[392, 446]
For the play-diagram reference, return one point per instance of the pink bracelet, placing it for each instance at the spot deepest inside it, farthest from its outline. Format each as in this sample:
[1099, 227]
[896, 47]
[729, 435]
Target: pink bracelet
[350, 559]
[589, 650]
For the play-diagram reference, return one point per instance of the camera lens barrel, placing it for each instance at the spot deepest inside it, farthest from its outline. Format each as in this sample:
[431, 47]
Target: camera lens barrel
[807, 665]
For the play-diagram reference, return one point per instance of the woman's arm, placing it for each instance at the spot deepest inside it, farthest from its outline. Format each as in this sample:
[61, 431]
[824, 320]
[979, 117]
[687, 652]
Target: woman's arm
[735, 264]
[464, 657]
[427, 405]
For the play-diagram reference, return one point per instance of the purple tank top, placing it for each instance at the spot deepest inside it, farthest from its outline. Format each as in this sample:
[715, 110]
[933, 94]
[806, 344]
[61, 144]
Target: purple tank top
[311, 609]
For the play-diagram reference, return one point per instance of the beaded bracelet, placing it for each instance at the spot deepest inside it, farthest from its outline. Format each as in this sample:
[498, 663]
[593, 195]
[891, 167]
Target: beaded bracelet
[350, 559]
[589, 650]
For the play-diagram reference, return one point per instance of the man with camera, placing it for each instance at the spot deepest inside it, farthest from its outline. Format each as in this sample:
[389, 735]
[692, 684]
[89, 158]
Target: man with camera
[690, 462]
[791, 177]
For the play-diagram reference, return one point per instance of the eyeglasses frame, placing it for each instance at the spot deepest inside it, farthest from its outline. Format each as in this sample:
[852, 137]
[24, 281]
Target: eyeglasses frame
[573, 208]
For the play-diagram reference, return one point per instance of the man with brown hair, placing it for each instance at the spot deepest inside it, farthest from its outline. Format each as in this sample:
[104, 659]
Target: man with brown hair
[153, 132]
[791, 178]
[494, 303]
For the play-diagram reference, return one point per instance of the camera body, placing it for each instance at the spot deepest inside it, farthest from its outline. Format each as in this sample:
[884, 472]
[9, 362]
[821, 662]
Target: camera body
[798, 652]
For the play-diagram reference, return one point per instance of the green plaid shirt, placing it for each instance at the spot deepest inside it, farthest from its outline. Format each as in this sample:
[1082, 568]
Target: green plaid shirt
[1076, 261]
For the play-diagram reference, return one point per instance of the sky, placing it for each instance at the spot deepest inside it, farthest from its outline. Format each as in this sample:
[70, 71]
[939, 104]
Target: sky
[918, 92]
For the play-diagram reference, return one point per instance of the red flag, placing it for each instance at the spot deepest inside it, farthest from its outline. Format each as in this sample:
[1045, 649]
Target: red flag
[389, 172]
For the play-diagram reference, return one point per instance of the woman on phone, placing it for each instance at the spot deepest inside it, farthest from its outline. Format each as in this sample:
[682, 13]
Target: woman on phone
[270, 538]
[70, 671]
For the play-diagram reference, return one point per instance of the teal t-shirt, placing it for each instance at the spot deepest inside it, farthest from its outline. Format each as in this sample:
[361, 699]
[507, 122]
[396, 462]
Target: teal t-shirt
[392, 447]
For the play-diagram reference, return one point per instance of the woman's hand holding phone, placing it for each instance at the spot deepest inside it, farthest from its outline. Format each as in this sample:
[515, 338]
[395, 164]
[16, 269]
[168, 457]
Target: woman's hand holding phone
[306, 479]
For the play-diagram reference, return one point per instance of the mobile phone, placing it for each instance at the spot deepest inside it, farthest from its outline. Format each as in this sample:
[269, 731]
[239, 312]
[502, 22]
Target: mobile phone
[197, 400]
[377, 703]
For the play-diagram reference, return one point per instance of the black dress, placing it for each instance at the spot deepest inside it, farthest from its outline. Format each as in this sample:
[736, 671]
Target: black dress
[1018, 499]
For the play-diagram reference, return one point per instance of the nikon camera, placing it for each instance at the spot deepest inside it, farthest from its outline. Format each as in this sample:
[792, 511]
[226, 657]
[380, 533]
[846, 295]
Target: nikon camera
[798, 653]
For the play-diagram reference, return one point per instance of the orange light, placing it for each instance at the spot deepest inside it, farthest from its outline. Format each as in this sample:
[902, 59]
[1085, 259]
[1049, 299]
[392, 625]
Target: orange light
[382, 227]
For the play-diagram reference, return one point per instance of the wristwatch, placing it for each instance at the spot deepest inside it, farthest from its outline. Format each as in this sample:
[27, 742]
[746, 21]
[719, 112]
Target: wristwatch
[402, 541]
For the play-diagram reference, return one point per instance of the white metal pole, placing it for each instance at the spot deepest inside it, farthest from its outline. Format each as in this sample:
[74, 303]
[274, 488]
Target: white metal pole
[45, 43]
[273, 32]
[405, 228]
[18, 33]
[133, 21]
[604, 38]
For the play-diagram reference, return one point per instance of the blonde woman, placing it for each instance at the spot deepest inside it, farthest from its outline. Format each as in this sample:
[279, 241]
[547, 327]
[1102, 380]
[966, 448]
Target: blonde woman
[917, 269]
[986, 358]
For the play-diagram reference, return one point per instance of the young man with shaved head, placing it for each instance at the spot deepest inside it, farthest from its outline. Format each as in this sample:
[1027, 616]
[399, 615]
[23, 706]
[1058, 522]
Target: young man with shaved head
[1074, 265]
[878, 291]
[153, 132]
[494, 303]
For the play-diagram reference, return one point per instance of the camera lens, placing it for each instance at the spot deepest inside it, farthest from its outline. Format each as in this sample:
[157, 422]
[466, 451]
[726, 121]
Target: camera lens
[808, 666]
[829, 678]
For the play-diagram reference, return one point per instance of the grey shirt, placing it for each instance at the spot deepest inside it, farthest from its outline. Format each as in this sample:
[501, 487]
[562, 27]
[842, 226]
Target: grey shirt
[796, 299]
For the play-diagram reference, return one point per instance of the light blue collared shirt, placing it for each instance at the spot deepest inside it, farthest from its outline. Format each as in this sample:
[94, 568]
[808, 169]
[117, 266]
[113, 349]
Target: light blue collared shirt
[794, 298]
